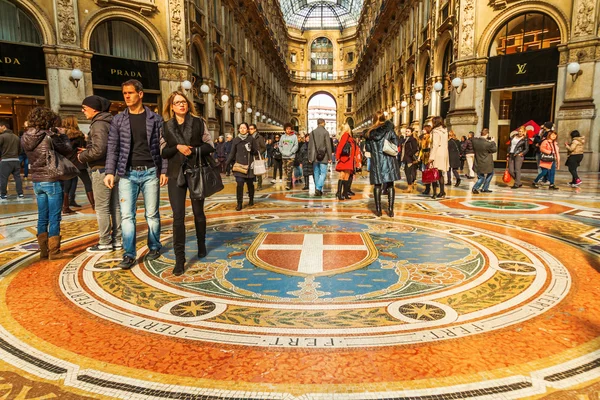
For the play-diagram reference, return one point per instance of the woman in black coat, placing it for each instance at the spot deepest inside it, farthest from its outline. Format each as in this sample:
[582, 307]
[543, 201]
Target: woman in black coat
[454, 152]
[384, 168]
[243, 150]
[185, 136]
[302, 155]
[410, 158]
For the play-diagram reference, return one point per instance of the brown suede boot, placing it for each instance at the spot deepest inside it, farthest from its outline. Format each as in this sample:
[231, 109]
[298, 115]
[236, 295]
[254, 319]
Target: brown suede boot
[90, 196]
[42, 239]
[65, 208]
[54, 252]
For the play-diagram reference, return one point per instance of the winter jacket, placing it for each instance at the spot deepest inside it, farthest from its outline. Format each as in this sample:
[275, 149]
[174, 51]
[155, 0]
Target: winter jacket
[9, 145]
[438, 155]
[484, 155]
[193, 133]
[77, 142]
[521, 148]
[239, 154]
[548, 147]
[220, 150]
[95, 153]
[36, 146]
[288, 145]
[384, 168]
[260, 142]
[410, 150]
[307, 166]
[119, 143]
[467, 147]
[319, 140]
[454, 153]
[576, 146]
[346, 163]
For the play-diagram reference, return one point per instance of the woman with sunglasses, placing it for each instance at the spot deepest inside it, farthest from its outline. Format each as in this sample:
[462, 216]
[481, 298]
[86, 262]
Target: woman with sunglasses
[185, 136]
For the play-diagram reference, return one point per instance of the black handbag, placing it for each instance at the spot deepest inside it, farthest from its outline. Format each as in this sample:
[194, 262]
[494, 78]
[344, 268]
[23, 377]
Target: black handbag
[346, 149]
[59, 167]
[547, 157]
[203, 177]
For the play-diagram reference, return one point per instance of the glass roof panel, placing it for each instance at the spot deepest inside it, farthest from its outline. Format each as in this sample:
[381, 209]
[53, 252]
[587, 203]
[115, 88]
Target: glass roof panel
[321, 14]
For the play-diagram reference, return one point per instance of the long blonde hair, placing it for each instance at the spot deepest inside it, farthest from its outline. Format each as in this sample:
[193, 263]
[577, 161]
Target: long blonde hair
[345, 128]
[168, 111]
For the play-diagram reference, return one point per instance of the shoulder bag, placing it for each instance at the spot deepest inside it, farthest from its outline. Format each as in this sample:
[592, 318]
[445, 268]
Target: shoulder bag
[258, 166]
[430, 175]
[203, 178]
[389, 148]
[59, 167]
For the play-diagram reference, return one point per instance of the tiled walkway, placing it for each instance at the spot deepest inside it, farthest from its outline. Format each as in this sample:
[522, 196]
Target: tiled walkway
[491, 296]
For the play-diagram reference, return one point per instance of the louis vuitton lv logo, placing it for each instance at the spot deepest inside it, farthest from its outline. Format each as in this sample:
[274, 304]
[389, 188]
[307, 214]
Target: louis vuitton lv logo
[521, 69]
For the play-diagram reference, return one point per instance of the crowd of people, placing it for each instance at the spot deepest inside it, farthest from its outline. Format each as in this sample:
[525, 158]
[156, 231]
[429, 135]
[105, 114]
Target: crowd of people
[137, 151]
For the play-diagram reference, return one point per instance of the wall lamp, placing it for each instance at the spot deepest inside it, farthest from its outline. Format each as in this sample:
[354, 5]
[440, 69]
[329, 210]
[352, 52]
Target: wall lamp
[224, 98]
[249, 110]
[385, 114]
[186, 85]
[438, 86]
[76, 75]
[572, 68]
[458, 84]
[204, 88]
[418, 96]
[394, 109]
[257, 114]
[238, 105]
[404, 104]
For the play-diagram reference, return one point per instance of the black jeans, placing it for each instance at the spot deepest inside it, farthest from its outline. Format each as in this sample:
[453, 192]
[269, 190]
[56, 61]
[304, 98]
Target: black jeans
[573, 162]
[71, 184]
[411, 173]
[277, 166]
[177, 197]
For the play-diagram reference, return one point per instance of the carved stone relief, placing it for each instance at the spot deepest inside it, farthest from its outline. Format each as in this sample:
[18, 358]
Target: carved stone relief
[65, 13]
[177, 27]
[68, 61]
[584, 25]
[467, 28]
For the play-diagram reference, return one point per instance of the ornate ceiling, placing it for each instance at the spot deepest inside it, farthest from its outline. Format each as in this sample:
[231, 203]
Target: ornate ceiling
[321, 14]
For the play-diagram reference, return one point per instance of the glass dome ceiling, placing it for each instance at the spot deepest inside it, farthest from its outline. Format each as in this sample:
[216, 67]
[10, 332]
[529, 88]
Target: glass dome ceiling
[321, 14]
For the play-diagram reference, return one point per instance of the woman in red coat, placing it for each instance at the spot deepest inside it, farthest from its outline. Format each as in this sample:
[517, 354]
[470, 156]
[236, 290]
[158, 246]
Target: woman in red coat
[346, 155]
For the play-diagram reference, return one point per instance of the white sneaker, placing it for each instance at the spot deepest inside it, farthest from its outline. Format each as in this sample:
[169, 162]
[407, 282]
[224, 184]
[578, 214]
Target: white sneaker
[280, 180]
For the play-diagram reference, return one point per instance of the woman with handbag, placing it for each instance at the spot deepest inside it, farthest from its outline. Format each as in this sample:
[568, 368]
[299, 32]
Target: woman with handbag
[519, 146]
[454, 151]
[438, 155]
[243, 150]
[47, 148]
[185, 137]
[384, 166]
[549, 160]
[575, 155]
[345, 154]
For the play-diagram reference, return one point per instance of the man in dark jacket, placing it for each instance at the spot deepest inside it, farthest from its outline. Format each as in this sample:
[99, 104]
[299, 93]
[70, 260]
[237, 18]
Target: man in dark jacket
[262, 147]
[134, 155]
[108, 213]
[9, 164]
[319, 154]
[484, 148]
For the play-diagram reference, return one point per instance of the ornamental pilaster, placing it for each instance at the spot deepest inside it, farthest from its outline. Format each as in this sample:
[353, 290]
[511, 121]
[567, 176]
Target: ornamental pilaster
[67, 23]
[176, 24]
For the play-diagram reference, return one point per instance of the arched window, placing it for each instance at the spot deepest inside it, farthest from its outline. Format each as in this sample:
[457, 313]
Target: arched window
[321, 59]
[526, 32]
[446, 61]
[122, 39]
[196, 62]
[16, 26]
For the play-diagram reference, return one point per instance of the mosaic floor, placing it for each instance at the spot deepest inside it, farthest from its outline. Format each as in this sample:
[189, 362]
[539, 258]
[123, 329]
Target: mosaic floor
[472, 297]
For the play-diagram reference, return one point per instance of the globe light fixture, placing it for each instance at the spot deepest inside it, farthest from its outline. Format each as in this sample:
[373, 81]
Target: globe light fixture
[404, 104]
[574, 69]
[224, 98]
[249, 110]
[385, 113]
[418, 96]
[438, 86]
[458, 84]
[204, 88]
[186, 85]
[394, 109]
[238, 105]
[76, 76]
[257, 114]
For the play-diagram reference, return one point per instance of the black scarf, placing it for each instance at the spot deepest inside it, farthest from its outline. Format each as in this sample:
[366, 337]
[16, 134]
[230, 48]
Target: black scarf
[182, 132]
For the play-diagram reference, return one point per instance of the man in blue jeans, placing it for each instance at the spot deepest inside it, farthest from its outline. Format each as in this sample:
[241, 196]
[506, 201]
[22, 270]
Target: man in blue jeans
[134, 155]
[319, 153]
[484, 148]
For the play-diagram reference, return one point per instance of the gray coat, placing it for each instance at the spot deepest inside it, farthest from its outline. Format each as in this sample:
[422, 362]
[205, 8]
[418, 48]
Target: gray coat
[384, 168]
[319, 139]
[484, 155]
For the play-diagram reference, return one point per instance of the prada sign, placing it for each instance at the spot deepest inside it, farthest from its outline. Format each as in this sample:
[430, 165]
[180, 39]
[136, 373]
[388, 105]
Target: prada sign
[112, 71]
[19, 61]
[529, 68]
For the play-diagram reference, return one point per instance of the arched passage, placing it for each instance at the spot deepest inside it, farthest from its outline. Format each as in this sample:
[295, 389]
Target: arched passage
[322, 105]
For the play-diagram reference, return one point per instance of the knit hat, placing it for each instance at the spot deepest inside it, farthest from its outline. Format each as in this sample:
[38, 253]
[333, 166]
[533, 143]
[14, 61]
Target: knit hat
[548, 125]
[97, 103]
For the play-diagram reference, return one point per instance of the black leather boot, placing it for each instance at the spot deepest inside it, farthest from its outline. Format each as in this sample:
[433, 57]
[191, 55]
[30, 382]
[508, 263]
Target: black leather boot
[349, 191]
[391, 198]
[339, 194]
[377, 197]
[427, 188]
[179, 267]
[346, 187]
[239, 194]
[435, 188]
[306, 179]
[251, 194]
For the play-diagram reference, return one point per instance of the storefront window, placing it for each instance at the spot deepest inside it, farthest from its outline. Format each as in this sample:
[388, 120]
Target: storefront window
[16, 26]
[526, 32]
[122, 39]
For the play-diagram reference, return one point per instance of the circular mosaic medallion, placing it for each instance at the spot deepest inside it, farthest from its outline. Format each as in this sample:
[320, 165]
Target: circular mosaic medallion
[265, 281]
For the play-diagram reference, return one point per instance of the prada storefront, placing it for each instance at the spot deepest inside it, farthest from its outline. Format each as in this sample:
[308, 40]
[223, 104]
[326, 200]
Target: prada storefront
[522, 72]
[23, 82]
[122, 52]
